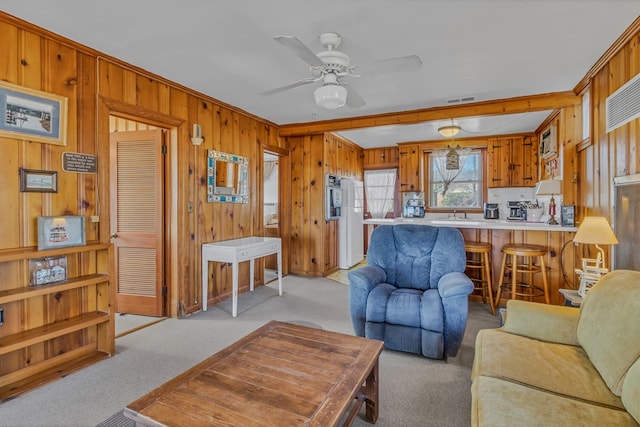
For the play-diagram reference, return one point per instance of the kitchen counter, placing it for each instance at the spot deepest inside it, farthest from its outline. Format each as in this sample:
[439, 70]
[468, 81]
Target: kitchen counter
[478, 223]
[499, 232]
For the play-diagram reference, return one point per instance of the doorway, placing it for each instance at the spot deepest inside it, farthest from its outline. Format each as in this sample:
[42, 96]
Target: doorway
[137, 220]
[271, 209]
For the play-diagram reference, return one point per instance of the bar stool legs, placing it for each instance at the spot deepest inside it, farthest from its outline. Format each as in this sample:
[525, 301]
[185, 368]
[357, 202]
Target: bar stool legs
[523, 289]
[482, 263]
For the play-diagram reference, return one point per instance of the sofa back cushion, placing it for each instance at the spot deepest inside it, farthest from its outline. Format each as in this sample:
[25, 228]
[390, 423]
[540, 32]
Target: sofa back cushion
[416, 256]
[608, 329]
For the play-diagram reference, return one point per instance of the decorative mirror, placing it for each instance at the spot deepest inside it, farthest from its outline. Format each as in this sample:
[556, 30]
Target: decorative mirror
[227, 177]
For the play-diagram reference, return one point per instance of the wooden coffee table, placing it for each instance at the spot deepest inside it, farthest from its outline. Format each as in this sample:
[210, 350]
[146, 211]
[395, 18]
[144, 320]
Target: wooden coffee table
[279, 375]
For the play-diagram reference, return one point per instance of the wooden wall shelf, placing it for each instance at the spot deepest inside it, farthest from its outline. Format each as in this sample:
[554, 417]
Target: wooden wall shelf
[54, 329]
[34, 291]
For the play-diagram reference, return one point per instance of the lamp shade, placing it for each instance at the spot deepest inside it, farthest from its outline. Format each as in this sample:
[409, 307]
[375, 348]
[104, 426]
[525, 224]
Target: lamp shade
[549, 187]
[595, 230]
[330, 96]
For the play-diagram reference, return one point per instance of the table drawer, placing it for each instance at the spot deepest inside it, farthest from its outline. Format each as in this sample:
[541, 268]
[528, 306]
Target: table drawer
[258, 252]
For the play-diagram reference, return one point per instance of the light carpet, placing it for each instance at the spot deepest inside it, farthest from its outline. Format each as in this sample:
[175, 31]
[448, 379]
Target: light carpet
[414, 391]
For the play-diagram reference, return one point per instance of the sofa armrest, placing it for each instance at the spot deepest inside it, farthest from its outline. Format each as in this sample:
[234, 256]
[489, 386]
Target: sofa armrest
[550, 323]
[454, 284]
[367, 277]
[361, 281]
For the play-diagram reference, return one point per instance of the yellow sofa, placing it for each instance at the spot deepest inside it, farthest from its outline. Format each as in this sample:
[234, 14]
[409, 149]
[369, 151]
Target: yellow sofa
[563, 366]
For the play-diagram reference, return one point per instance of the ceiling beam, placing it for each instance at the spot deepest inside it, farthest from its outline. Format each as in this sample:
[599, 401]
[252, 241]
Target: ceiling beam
[523, 104]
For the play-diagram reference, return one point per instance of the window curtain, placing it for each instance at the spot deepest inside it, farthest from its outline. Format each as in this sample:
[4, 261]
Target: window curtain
[379, 188]
[269, 167]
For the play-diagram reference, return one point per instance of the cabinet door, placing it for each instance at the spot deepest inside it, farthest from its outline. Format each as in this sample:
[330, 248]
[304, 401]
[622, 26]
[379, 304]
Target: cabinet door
[409, 168]
[499, 163]
[524, 159]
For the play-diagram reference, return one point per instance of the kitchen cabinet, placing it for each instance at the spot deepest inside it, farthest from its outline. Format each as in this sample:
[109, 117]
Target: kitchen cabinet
[53, 329]
[381, 158]
[410, 168]
[513, 162]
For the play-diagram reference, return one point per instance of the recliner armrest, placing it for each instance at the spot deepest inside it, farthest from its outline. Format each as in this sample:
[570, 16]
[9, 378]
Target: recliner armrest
[551, 323]
[454, 284]
[367, 277]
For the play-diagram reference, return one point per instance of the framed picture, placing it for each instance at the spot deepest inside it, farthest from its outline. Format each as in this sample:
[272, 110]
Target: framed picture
[60, 231]
[549, 143]
[38, 181]
[47, 270]
[568, 216]
[32, 115]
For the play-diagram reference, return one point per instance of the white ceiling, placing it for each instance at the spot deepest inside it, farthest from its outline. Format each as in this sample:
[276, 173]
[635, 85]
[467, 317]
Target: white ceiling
[489, 49]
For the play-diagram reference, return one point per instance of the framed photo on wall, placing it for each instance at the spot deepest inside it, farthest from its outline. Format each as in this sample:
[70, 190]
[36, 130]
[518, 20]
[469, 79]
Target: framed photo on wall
[568, 215]
[32, 114]
[38, 181]
[43, 271]
[60, 231]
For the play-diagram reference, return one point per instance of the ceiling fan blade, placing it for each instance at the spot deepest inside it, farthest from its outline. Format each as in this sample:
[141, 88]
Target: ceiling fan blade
[291, 86]
[354, 100]
[391, 65]
[300, 49]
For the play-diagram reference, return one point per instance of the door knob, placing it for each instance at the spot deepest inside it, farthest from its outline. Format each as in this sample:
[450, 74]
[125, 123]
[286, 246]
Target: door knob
[114, 235]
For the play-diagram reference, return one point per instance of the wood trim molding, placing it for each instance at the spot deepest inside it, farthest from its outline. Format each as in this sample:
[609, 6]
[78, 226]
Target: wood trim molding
[613, 50]
[584, 144]
[548, 122]
[523, 104]
[133, 112]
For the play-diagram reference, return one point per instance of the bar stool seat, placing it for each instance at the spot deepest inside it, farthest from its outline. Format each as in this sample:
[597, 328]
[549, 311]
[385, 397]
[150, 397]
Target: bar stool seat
[478, 258]
[527, 268]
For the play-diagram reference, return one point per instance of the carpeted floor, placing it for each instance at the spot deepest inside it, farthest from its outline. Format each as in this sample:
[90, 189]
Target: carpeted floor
[414, 391]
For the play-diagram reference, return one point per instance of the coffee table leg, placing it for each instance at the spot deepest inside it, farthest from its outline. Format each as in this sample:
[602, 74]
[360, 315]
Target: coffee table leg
[371, 391]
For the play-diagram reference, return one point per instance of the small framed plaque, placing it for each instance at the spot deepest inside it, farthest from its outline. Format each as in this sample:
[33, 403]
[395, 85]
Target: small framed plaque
[568, 216]
[60, 232]
[38, 181]
[47, 270]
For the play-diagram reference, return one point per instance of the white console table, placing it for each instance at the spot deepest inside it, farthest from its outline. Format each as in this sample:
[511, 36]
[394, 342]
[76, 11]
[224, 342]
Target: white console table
[236, 251]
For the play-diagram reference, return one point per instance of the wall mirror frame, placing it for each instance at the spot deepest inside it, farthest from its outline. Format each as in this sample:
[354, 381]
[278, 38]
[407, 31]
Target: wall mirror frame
[227, 178]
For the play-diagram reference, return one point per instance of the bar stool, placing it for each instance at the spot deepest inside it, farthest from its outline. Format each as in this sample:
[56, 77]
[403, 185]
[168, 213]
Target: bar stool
[478, 258]
[527, 267]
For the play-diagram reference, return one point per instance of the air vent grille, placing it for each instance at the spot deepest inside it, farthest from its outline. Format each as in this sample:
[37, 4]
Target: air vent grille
[624, 104]
[460, 99]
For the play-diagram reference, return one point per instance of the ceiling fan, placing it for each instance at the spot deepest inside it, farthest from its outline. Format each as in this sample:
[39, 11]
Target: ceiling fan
[332, 66]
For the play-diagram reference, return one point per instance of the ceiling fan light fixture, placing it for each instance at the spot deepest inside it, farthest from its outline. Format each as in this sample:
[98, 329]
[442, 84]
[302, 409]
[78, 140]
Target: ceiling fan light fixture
[330, 96]
[449, 131]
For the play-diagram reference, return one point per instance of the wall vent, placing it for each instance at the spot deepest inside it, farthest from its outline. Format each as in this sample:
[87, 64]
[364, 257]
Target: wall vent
[623, 105]
[460, 99]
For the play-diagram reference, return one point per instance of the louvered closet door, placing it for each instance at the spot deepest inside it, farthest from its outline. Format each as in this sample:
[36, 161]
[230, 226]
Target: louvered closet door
[137, 224]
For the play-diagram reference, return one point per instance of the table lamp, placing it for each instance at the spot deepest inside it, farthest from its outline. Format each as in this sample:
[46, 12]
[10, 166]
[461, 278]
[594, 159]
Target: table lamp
[550, 187]
[596, 230]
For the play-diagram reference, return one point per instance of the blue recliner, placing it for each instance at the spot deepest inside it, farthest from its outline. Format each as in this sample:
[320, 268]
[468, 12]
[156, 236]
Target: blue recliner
[413, 292]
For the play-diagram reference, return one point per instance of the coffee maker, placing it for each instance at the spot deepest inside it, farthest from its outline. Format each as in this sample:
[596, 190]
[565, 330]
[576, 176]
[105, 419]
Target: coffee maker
[491, 211]
[516, 211]
[413, 204]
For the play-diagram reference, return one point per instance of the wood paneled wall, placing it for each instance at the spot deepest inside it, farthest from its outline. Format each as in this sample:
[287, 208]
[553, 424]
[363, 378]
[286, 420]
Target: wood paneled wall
[99, 88]
[589, 165]
[314, 244]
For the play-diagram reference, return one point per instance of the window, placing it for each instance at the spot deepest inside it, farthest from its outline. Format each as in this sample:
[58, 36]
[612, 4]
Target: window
[379, 187]
[586, 114]
[455, 188]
